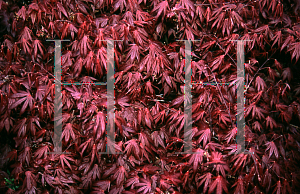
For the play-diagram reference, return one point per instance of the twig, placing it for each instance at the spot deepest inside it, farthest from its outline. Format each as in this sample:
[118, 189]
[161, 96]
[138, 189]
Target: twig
[216, 3]
[48, 72]
[218, 45]
[259, 70]
[161, 104]
[69, 146]
[267, 165]
[295, 126]
[214, 75]
[221, 95]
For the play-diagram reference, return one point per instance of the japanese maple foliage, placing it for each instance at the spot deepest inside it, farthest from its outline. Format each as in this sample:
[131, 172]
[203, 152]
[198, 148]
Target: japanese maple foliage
[149, 96]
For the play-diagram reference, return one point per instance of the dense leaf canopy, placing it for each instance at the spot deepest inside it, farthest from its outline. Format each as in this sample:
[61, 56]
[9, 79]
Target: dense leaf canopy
[149, 96]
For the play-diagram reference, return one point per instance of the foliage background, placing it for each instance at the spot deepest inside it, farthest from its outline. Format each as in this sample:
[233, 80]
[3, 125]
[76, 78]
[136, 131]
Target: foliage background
[149, 96]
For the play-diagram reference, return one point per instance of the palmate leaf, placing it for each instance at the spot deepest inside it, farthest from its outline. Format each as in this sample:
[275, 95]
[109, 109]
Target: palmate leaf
[68, 132]
[277, 38]
[158, 138]
[288, 41]
[84, 45]
[37, 45]
[12, 155]
[42, 152]
[240, 189]
[145, 139]
[172, 178]
[219, 20]
[206, 179]
[86, 182]
[22, 13]
[99, 127]
[286, 187]
[62, 9]
[74, 92]
[102, 185]
[21, 127]
[249, 67]
[189, 33]
[270, 122]
[272, 73]
[26, 45]
[217, 62]
[142, 15]
[189, 5]
[224, 117]
[219, 184]
[148, 119]
[161, 9]
[134, 52]
[278, 188]
[25, 156]
[64, 159]
[40, 93]
[276, 167]
[26, 34]
[24, 97]
[149, 88]
[6, 122]
[196, 158]
[260, 84]
[120, 4]
[219, 164]
[145, 186]
[273, 149]
[177, 102]
[257, 126]
[132, 181]
[29, 182]
[33, 122]
[100, 60]
[140, 36]
[32, 10]
[129, 17]
[240, 161]
[285, 116]
[295, 50]
[205, 136]
[87, 145]
[132, 147]
[231, 135]
[256, 111]
[120, 174]
[287, 74]
[64, 30]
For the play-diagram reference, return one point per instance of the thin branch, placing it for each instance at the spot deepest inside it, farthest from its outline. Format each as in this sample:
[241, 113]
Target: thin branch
[259, 70]
[155, 100]
[48, 72]
[214, 75]
[218, 44]
[216, 3]
[223, 49]
[267, 165]
[221, 95]
[295, 126]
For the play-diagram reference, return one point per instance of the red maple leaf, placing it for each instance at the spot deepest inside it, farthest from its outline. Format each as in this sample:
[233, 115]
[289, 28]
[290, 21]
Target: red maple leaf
[161, 9]
[24, 97]
[220, 184]
[273, 149]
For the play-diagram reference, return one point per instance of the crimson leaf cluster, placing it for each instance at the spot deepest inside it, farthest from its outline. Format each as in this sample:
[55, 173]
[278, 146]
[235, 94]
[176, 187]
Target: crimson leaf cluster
[149, 96]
